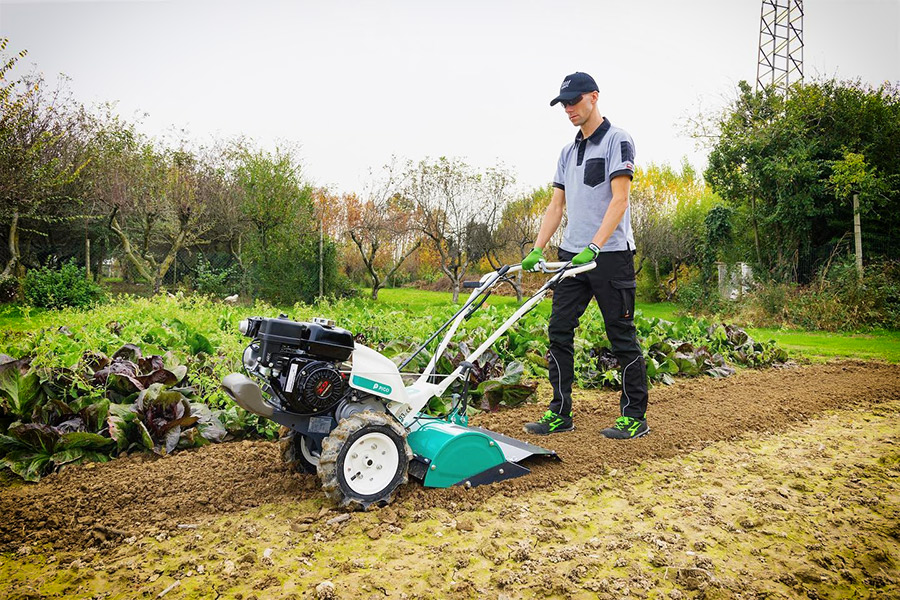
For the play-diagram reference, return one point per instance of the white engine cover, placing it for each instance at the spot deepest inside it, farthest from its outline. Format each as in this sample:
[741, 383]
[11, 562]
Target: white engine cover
[376, 374]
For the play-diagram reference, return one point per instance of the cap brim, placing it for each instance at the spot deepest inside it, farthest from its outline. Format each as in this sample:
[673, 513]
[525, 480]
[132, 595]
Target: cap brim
[565, 96]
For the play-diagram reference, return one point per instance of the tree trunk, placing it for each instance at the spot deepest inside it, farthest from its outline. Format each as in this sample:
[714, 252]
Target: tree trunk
[639, 267]
[393, 270]
[519, 273]
[238, 256]
[87, 258]
[377, 283]
[755, 230]
[169, 259]
[369, 262]
[136, 261]
[659, 285]
[13, 245]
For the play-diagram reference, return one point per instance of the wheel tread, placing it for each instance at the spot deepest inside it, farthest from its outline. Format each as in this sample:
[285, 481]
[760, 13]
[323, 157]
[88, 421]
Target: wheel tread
[331, 448]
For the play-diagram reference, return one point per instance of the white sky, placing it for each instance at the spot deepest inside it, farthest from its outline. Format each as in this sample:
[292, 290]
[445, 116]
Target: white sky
[355, 82]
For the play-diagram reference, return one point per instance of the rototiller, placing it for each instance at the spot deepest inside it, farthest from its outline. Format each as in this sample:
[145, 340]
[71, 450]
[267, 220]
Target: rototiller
[353, 420]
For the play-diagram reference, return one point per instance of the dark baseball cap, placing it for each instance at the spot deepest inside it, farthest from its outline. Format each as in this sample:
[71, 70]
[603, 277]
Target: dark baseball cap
[574, 85]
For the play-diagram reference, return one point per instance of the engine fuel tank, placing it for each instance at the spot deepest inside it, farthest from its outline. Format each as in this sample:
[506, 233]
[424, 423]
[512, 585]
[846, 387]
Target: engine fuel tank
[322, 341]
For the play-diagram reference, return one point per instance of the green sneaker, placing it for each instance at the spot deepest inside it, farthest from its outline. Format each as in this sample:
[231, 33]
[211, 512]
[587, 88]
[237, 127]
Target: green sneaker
[549, 423]
[627, 428]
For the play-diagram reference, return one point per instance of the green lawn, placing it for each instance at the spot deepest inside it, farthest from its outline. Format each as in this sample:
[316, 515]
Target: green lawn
[883, 345]
[422, 299]
[13, 316]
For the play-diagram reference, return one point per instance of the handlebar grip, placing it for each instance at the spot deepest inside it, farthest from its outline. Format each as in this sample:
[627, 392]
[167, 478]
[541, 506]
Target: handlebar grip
[471, 285]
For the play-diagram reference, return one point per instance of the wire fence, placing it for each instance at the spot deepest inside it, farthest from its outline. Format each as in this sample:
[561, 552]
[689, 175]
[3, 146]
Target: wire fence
[211, 271]
[811, 264]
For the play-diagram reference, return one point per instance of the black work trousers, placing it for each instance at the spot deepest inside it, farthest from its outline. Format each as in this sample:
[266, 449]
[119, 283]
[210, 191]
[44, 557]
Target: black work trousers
[612, 283]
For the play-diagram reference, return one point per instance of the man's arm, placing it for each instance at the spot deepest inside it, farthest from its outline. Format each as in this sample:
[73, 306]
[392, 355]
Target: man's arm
[621, 187]
[552, 218]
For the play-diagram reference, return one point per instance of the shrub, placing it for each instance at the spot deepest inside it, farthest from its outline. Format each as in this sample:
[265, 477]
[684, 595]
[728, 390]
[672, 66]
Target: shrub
[68, 286]
[774, 299]
[696, 295]
[9, 288]
[837, 301]
[289, 271]
[209, 280]
[648, 288]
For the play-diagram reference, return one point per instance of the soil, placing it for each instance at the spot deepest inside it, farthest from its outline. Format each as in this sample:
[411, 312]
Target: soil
[101, 505]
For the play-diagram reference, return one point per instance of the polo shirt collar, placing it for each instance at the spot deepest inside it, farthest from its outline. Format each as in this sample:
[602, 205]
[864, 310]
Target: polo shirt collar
[598, 133]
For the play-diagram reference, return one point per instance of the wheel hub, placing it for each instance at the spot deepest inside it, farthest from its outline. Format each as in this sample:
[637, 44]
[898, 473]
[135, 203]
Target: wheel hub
[371, 463]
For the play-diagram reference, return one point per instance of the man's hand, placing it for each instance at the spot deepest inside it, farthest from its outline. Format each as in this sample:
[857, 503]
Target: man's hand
[585, 256]
[534, 257]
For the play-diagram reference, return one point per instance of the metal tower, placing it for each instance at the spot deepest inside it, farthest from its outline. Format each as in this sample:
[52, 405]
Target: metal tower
[780, 44]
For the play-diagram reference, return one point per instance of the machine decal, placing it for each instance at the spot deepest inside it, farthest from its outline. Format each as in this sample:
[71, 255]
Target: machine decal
[380, 388]
[292, 376]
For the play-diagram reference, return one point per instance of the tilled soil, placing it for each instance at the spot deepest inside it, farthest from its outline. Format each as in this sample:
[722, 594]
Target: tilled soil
[100, 504]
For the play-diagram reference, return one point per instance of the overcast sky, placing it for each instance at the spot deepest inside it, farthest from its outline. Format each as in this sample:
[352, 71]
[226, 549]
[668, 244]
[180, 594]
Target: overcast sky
[354, 82]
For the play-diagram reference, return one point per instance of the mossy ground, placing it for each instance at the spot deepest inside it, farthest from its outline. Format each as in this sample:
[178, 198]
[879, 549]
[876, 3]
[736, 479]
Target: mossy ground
[808, 512]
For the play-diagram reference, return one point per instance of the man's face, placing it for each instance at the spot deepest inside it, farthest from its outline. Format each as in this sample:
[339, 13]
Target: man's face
[579, 112]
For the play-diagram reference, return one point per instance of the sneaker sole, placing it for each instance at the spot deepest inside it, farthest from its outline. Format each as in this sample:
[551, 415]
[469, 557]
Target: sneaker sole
[642, 434]
[549, 432]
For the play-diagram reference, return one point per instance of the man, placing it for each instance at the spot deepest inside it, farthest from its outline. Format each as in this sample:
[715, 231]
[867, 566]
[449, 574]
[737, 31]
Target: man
[592, 183]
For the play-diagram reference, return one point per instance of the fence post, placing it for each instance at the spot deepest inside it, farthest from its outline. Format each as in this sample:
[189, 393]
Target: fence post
[321, 258]
[722, 269]
[857, 236]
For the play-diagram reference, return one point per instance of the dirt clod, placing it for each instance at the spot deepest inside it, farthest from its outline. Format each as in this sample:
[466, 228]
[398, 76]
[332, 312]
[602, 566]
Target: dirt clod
[325, 591]
[465, 525]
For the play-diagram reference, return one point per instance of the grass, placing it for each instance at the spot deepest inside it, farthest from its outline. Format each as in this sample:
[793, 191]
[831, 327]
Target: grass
[413, 299]
[819, 345]
[19, 318]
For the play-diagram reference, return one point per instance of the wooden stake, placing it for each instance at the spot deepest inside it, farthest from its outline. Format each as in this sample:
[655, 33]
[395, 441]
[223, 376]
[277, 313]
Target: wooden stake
[857, 236]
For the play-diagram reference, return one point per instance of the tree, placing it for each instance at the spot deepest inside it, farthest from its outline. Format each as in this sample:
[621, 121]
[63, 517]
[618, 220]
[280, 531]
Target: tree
[497, 189]
[520, 223]
[282, 242]
[852, 177]
[667, 214]
[773, 159]
[159, 200]
[450, 200]
[383, 226]
[36, 161]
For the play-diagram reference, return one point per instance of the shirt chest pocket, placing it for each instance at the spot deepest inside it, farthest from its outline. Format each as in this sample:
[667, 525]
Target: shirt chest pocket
[594, 171]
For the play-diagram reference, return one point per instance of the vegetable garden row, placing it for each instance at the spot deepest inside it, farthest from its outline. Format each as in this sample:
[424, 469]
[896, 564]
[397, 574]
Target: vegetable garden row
[143, 374]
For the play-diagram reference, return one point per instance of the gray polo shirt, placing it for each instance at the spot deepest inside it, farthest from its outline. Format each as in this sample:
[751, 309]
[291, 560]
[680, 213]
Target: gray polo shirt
[585, 170]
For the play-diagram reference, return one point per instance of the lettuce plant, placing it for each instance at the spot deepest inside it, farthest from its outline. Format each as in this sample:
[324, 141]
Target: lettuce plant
[128, 372]
[34, 449]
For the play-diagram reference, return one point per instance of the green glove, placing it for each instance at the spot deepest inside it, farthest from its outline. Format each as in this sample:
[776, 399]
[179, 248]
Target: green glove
[533, 258]
[585, 256]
